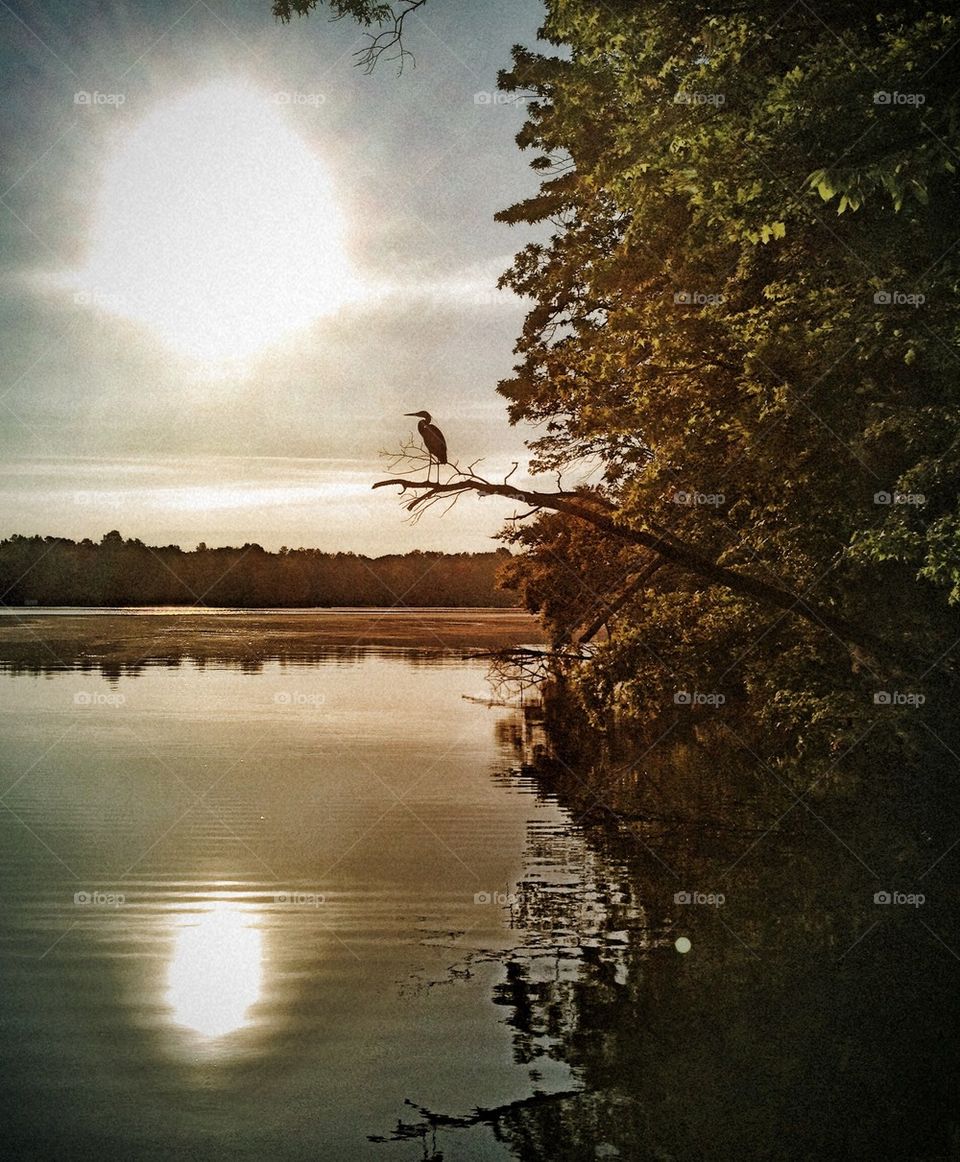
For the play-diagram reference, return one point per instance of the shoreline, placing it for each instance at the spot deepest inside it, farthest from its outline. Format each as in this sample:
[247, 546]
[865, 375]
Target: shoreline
[69, 637]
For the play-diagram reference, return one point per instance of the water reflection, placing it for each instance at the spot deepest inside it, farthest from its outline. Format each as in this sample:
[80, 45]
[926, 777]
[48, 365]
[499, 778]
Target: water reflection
[216, 974]
[805, 1017]
[128, 643]
[604, 1013]
[298, 851]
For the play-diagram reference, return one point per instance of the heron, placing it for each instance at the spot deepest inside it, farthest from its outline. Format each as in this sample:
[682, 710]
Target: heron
[433, 440]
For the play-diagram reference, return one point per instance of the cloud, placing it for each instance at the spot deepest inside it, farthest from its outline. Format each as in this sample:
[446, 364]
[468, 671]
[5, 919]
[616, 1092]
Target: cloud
[274, 500]
[475, 285]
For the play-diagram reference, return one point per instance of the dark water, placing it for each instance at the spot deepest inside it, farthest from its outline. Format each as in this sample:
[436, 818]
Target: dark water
[284, 908]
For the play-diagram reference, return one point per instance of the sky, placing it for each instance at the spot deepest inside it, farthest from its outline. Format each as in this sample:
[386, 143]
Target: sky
[231, 261]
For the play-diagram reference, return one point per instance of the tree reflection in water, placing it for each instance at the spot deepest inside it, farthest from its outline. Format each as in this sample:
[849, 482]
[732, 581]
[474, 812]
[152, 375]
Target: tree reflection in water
[807, 1021]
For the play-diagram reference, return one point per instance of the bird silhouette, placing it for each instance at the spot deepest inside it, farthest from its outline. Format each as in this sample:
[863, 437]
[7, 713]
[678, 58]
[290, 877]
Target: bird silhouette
[433, 440]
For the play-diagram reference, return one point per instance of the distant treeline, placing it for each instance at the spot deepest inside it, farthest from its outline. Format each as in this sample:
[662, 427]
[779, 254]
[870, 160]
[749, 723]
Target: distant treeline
[58, 571]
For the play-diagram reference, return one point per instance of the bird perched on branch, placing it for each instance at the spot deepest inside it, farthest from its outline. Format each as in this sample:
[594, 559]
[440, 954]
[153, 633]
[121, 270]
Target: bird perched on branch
[433, 441]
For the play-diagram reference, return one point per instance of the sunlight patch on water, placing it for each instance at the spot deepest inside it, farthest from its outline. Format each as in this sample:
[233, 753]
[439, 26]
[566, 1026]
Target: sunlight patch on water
[216, 974]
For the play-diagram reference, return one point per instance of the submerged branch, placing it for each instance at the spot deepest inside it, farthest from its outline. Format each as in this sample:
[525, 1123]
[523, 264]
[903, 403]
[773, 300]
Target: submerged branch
[480, 1116]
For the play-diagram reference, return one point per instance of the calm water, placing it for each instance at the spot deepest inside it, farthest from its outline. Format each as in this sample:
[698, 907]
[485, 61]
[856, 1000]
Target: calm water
[240, 908]
[282, 902]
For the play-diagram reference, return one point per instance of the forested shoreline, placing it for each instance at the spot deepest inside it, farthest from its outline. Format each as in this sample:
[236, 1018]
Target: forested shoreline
[746, 315]
[57, 571]
[741, 261]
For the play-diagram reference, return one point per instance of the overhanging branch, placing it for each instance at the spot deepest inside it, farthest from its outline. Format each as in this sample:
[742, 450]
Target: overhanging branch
[601, 514]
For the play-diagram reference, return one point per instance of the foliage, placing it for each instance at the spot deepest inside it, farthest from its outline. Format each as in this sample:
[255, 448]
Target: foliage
[746, 320]
[59, 571]
[365, 12]
[747, 306]
[387, 18]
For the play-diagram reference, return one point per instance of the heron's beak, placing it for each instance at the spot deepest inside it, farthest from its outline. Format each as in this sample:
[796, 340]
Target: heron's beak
[413, 414]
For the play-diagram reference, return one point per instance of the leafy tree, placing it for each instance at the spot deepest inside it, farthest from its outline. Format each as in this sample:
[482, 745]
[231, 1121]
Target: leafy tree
[746, 319]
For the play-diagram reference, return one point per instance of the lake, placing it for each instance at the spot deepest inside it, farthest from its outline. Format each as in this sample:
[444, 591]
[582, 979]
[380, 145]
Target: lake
[299, 886]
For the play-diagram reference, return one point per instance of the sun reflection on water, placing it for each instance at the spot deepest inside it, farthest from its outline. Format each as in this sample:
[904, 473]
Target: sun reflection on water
[216, 974]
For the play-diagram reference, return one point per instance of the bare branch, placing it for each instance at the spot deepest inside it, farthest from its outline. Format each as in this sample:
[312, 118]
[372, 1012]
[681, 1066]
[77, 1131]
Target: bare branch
[385, 15]
[389, 38]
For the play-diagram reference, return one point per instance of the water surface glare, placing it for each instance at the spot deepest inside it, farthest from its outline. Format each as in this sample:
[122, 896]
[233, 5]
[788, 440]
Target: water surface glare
[246, 908]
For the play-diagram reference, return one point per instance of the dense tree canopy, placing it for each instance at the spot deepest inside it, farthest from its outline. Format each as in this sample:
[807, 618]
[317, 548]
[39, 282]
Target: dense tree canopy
[745, 321]
[747, 317]
[59, 571]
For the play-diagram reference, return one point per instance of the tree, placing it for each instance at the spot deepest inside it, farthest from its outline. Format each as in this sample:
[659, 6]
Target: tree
[746, 320]
[751, 210]
[592, 509]
[388, 18]
[57, 571]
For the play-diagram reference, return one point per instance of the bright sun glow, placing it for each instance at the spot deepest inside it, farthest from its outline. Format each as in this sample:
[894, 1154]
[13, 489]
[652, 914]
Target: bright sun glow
[216, 226]
[217, 971]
